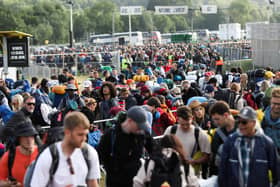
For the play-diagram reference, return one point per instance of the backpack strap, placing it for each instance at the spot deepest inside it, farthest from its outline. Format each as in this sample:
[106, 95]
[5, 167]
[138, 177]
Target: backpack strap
[113, 140]
[221, 134]
[196, 145]
[174, 129]
[85, 152]
[55, 160]
[11, 159]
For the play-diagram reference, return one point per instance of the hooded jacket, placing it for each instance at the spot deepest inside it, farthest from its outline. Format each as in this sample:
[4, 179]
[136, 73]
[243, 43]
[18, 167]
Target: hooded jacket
[271, 127]
[263, 157]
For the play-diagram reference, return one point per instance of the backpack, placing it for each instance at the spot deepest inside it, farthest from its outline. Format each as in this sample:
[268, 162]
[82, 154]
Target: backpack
[238, 97]
[54, 165]
[221, 94]
[166, 170]
[250, 100]
[220, 149]
[231, 96]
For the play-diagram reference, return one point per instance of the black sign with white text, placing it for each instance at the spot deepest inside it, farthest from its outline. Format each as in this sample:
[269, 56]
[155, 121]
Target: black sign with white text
[17, 52]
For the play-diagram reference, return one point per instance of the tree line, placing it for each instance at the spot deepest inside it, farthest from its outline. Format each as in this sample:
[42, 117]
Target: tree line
[49, 20]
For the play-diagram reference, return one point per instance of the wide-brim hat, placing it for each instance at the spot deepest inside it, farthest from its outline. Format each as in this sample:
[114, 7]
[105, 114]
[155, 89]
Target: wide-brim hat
[195, 103]
[25, 128]
[71, 87]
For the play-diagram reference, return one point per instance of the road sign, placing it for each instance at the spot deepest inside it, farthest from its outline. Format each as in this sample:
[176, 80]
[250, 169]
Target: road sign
[169, 10]
[131, 10]
[209, 9]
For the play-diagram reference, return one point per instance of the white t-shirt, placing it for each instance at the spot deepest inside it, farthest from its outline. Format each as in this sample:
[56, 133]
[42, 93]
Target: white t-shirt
[188, 140]
[62, 176]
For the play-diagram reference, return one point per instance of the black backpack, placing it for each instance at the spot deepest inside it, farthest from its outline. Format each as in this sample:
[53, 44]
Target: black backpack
[226, 95]
[231, 98]
[165, 170]
[54, 165]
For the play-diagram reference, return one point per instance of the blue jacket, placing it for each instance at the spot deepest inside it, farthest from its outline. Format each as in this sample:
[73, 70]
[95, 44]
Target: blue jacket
[271, 127]
[263, 158]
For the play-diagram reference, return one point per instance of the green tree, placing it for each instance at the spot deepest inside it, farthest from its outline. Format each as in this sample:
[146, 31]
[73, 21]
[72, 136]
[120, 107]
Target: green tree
[43, 32]
[100, 17]
[81, 23]
[164, 24]
[180, 22]
[244, 11]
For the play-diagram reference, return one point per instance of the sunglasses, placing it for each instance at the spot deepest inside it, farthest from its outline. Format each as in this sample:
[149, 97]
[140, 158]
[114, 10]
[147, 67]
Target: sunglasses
[243, 122]
[29, 104]
[71, 169]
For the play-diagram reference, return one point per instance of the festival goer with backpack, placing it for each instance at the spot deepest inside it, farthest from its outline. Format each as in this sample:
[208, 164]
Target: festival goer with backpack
[194, 139]
[187, 91]
[108, 95]
[224, 120]
[77, 163]
[166, 166]
[201, 118]
[23, 114]
[71, 100]
[14, 162]
[121, 147]
[271, 120]
[237, 100]
[248, 155]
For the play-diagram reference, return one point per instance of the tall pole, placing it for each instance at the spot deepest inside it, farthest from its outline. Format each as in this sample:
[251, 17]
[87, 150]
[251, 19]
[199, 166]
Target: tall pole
[71, 24]
[113, 28]
[5, 57]
[129, 23]
[192, 21]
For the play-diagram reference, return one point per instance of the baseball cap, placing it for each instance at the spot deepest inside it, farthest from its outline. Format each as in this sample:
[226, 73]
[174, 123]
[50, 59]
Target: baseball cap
[138, 114]
[209, 89]
[86, 84]
[248, 113]
[71, 87]
[207, 74]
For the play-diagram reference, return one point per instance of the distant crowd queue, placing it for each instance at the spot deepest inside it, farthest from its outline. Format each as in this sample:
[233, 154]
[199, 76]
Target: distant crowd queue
[159, 125]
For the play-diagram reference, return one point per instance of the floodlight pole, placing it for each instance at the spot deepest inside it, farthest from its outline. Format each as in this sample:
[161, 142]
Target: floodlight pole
[129, 23]
[5, 56]
[70, 2]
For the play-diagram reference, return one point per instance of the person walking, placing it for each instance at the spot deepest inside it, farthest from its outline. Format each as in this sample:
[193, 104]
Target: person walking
[248, 155]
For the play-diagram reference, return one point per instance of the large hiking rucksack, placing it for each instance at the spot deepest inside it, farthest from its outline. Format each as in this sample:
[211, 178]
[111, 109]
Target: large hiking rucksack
[165, 170]
[54, 165]
[226, 95]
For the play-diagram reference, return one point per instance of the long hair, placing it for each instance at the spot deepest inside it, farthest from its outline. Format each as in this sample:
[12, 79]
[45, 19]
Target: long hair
[111, 87]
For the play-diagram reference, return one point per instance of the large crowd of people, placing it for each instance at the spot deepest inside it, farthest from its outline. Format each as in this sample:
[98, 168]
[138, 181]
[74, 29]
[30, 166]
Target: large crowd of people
[177, 119]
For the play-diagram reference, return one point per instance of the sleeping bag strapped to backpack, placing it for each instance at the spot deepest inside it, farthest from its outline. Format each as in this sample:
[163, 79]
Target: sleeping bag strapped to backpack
[167, 170]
